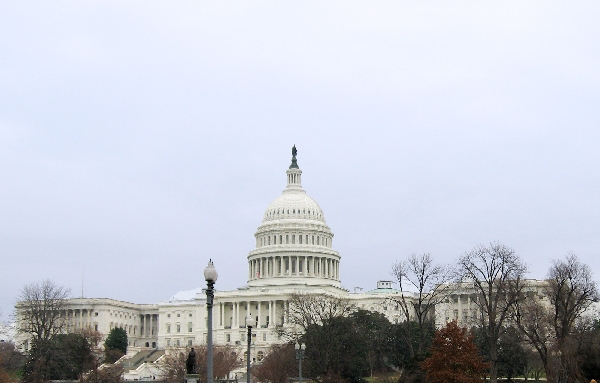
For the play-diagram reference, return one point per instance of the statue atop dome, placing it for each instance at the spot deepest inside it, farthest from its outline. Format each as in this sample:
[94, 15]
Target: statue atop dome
[294, 164]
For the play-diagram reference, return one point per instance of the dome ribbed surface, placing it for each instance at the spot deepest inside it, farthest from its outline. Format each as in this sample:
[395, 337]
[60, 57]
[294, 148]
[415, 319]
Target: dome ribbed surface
[294, 205]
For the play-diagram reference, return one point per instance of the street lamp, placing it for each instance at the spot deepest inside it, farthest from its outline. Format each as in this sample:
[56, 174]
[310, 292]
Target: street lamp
[210, 274]
[300, 348]
[250, 322]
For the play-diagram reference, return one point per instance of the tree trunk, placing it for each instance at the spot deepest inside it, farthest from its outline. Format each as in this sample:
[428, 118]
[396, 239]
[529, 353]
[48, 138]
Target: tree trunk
[493, 363]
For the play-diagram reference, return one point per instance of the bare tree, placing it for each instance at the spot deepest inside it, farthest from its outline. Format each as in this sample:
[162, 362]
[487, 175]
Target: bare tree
[319, 309]
[279, 364]
[551, 326]
[420, 273]
[533, 317]
[226, 359]
[12, 359]
[107, 374]
[173, 364]
[4, 376]
[40, 310]
[497, 275]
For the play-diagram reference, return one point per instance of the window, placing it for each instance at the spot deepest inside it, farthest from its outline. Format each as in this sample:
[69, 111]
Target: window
[168, 315]
[178, 343]
[228, 336]
[264, 336]
[169, 342]
[178, 315]
[189, 342]
[95, 314]
[189, 327]
[178, 328]
[168, 329]
[190, 315]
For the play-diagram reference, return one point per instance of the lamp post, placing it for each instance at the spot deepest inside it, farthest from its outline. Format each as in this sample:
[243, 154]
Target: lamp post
[300, 348]
[210, 274]
[250, 322]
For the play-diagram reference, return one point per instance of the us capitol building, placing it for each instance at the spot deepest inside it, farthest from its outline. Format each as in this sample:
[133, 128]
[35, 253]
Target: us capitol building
[293, 254]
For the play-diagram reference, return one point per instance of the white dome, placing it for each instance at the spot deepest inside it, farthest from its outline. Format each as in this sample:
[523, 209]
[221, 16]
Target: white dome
[294, 205]
[293, 243]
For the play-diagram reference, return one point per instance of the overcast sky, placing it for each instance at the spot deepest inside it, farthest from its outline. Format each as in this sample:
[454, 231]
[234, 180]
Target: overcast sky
[140, 139]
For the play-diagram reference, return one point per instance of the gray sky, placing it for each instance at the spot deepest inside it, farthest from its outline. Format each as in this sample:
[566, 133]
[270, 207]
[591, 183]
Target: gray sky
[140, 139]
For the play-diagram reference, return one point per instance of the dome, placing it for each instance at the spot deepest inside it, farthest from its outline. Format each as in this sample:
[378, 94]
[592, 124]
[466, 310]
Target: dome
[293, 205]
[294, 245]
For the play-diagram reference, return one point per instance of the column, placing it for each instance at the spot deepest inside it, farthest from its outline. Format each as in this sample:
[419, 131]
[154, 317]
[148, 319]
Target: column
[335, 263]
[221, 314]
[151, 324]
[259, 314]
[235, 308]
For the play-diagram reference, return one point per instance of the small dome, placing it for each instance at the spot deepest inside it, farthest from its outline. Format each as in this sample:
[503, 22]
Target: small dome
[294, 205]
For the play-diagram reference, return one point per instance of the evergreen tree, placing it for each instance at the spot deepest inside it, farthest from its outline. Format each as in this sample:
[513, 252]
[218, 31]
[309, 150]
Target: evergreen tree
[115, 344]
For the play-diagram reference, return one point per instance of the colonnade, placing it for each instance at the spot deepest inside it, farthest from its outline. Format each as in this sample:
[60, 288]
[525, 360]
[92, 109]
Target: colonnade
[79, 318]
[294, 265]
[293, 239]
[462, 308]
[149, 325]
[267, 313]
